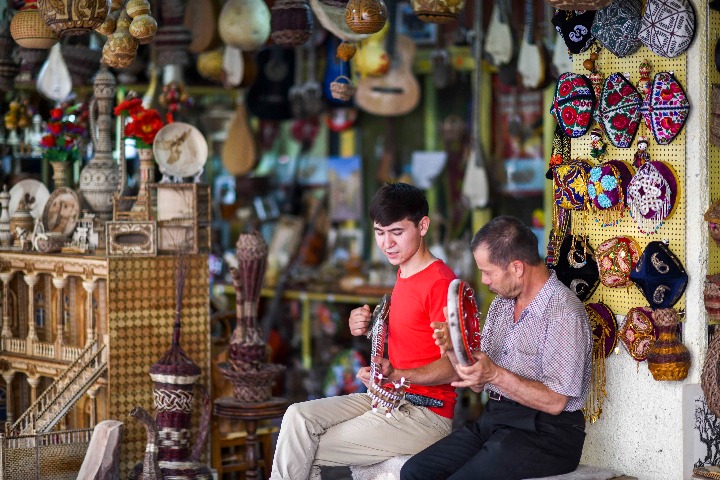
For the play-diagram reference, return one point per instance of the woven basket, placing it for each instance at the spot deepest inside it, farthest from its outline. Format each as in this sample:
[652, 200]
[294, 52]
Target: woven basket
[668, 358]
[252, 385]
[709, 376]
[341, 90]
[705, 473]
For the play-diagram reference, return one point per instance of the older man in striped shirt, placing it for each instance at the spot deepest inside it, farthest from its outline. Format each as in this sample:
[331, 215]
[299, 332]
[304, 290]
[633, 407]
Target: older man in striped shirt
[534, 364]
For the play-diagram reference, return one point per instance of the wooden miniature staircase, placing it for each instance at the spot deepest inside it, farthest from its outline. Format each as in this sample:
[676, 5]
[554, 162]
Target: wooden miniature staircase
[67, 389]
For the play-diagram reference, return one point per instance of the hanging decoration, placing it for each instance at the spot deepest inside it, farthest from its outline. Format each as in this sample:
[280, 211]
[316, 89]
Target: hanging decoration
[607, 190]
[616, 26]
[665, 108]
[638, 333]
[29, 30]
[573, 104]
[604, 331]
[659, 275]
[619, 110]
[652, 193]
[616, 258]
[73, 17]
[668, 26]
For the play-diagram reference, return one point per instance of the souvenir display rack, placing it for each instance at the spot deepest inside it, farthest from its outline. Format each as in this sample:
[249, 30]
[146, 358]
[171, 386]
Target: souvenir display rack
[713, 151]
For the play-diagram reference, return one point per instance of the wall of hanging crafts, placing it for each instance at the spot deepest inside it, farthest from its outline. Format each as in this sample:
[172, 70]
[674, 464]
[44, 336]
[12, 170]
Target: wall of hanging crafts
[712, 215]
[618, 169]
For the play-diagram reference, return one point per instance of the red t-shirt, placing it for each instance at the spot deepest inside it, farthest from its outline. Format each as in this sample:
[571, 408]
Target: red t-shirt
[416, 301]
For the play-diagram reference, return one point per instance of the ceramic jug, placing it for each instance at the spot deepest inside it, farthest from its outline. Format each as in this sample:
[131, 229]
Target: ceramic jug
[244, 24]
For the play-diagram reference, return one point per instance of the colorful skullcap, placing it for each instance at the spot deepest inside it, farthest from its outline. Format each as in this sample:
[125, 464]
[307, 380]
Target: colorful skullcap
[573, 104]
[652, 195]
[659, 275]
[604, 327]
[616, 26]
[574, 28]
[616, 258]
[570, 181]
[576, 267]
[638, 333]
[607, 188]
[666, 108]
[619, 110]
[668, 26]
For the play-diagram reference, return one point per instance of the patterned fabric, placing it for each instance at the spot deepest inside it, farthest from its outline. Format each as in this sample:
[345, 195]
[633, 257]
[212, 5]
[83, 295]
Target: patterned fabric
[652, 195]
[604, 327]
[660, 275]
[576, 267]
[607, 187]
[616, 26]
[616, 258]
[550, 343]
[571, 185]
[574, 28]
[666, 108]
[668, 26]
[638, 333]
[619, 110]
[573, 104]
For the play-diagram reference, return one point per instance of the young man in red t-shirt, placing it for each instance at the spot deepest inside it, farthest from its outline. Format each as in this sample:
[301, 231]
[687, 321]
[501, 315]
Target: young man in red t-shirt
[344, 430]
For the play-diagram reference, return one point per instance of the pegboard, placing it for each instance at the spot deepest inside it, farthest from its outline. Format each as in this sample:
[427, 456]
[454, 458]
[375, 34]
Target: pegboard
[620, 300]
[713, 151]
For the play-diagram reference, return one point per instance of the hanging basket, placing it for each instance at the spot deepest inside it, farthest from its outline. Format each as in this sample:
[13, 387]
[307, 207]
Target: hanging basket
[342, 90]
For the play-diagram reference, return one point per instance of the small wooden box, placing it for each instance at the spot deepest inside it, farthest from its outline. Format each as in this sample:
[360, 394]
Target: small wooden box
[182, 201]
[137, 238]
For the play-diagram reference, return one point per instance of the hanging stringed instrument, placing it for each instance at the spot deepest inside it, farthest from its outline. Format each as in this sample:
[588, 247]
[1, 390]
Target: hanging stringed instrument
[531, 59]
[500, 39]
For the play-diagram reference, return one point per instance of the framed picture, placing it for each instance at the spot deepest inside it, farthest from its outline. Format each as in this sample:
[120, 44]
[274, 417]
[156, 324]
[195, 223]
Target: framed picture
[409, 24]
[346, 243]
[285, 240]
[62, 211]
[700, 430]
[345, 178]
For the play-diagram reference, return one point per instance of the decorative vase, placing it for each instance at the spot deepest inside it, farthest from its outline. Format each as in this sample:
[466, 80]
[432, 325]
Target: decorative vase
[173, 37]
[6, 237]
[365, 16]
[29, 29]
[73, 17]
[712, 297]
[440, 11]
[60, 173]
[668, 358]
[244, 24]
[21, 224]
[147, 169]
[291, 22]
[102, 177]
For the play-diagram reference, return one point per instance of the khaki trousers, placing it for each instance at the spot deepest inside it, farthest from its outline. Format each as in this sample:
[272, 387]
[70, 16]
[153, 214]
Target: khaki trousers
[343, 430]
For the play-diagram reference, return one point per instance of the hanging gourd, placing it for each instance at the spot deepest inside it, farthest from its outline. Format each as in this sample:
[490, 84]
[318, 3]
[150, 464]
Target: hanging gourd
[29, 30]
[244, 24]
[73, 17]
[365, 16]
[121, 47]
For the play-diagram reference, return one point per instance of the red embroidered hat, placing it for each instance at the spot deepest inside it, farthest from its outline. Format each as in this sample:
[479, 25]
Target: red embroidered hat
[616, 258]
[619, 110]
[604, 327]
[573, 104]
[638, 333]
[666, 108]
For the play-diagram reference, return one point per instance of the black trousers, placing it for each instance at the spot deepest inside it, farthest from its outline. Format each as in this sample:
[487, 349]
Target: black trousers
[508, 441]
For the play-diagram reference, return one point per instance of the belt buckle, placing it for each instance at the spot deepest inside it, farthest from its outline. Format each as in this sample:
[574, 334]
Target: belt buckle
[493, 395]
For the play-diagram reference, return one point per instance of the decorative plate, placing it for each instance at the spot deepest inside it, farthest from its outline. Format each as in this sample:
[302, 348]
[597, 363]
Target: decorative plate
[34, 191]
[180, 150]
[62, 211]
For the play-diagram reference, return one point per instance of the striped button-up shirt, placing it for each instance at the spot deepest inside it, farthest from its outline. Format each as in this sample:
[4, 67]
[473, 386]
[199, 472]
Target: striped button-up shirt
[551, 342]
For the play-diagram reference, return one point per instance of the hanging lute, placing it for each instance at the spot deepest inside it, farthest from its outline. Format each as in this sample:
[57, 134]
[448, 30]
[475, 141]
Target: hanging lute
[387, 396]
[531, 59]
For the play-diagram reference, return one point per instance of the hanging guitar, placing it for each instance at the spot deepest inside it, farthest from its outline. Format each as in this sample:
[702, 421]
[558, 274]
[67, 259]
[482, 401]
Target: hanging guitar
[463, 321]
[389, 395]
[268, 96]
[397, 92]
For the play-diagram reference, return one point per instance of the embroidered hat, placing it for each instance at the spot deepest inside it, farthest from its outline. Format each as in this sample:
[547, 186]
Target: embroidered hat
[616, 258]
[652, 195]
[659, 275]
[665, 108]
[570, 181]
[604, 327]
[574, 28]
[619, 110]
[573, 104]
[668, 26]
[616, 26]
[579, 4]
[576, 266]
[638, 333]
[607, 189]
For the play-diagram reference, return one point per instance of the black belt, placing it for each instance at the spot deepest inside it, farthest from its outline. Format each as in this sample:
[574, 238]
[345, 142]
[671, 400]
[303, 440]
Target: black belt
[423, 401]
[499, 397]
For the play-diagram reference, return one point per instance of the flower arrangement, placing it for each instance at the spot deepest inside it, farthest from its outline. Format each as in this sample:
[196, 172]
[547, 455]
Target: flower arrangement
[63, 133]
[144, 122]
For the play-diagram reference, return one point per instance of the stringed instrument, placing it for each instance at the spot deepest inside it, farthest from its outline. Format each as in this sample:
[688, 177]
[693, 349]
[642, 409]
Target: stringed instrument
[201, 18]
[499, 43]
[531, 59]
[268, 96]
[397, 92]
[238, 152]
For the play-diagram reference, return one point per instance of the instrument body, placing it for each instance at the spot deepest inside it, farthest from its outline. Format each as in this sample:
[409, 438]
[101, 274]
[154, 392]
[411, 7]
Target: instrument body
[463, 321]
[386, 396]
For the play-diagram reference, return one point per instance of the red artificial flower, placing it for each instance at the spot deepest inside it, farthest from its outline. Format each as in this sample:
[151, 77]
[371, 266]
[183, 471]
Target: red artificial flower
[54, 127]
[129, 107]
[56, 113]
[48, 141]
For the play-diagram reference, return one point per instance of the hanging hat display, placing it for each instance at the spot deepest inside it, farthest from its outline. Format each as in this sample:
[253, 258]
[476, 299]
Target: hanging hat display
[711, 297]
[607, 190]
[570, 181]
[665, 108]
[618, 110]
[604, 331]
[659, 275]
[712, 216]
[668, 26]
[616, 26]
[616, 258]
[652, 195]
[638, 333]
[576, 266]
[574, 28]
[573, 104]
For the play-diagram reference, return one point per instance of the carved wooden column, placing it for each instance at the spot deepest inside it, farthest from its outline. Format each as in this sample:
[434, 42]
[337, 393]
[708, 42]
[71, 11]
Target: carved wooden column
[33, 382]
[31, 280]
[5, 277]
[8, 376]
[89, 286]
[59, 284]
[92, 393]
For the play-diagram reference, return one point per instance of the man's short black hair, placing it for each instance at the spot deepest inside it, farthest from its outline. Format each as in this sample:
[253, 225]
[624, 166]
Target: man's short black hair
[507, 239]
[395, 202]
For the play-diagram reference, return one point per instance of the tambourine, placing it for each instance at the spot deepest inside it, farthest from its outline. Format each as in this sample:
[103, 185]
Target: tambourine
[463, 321]
[389, 395]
